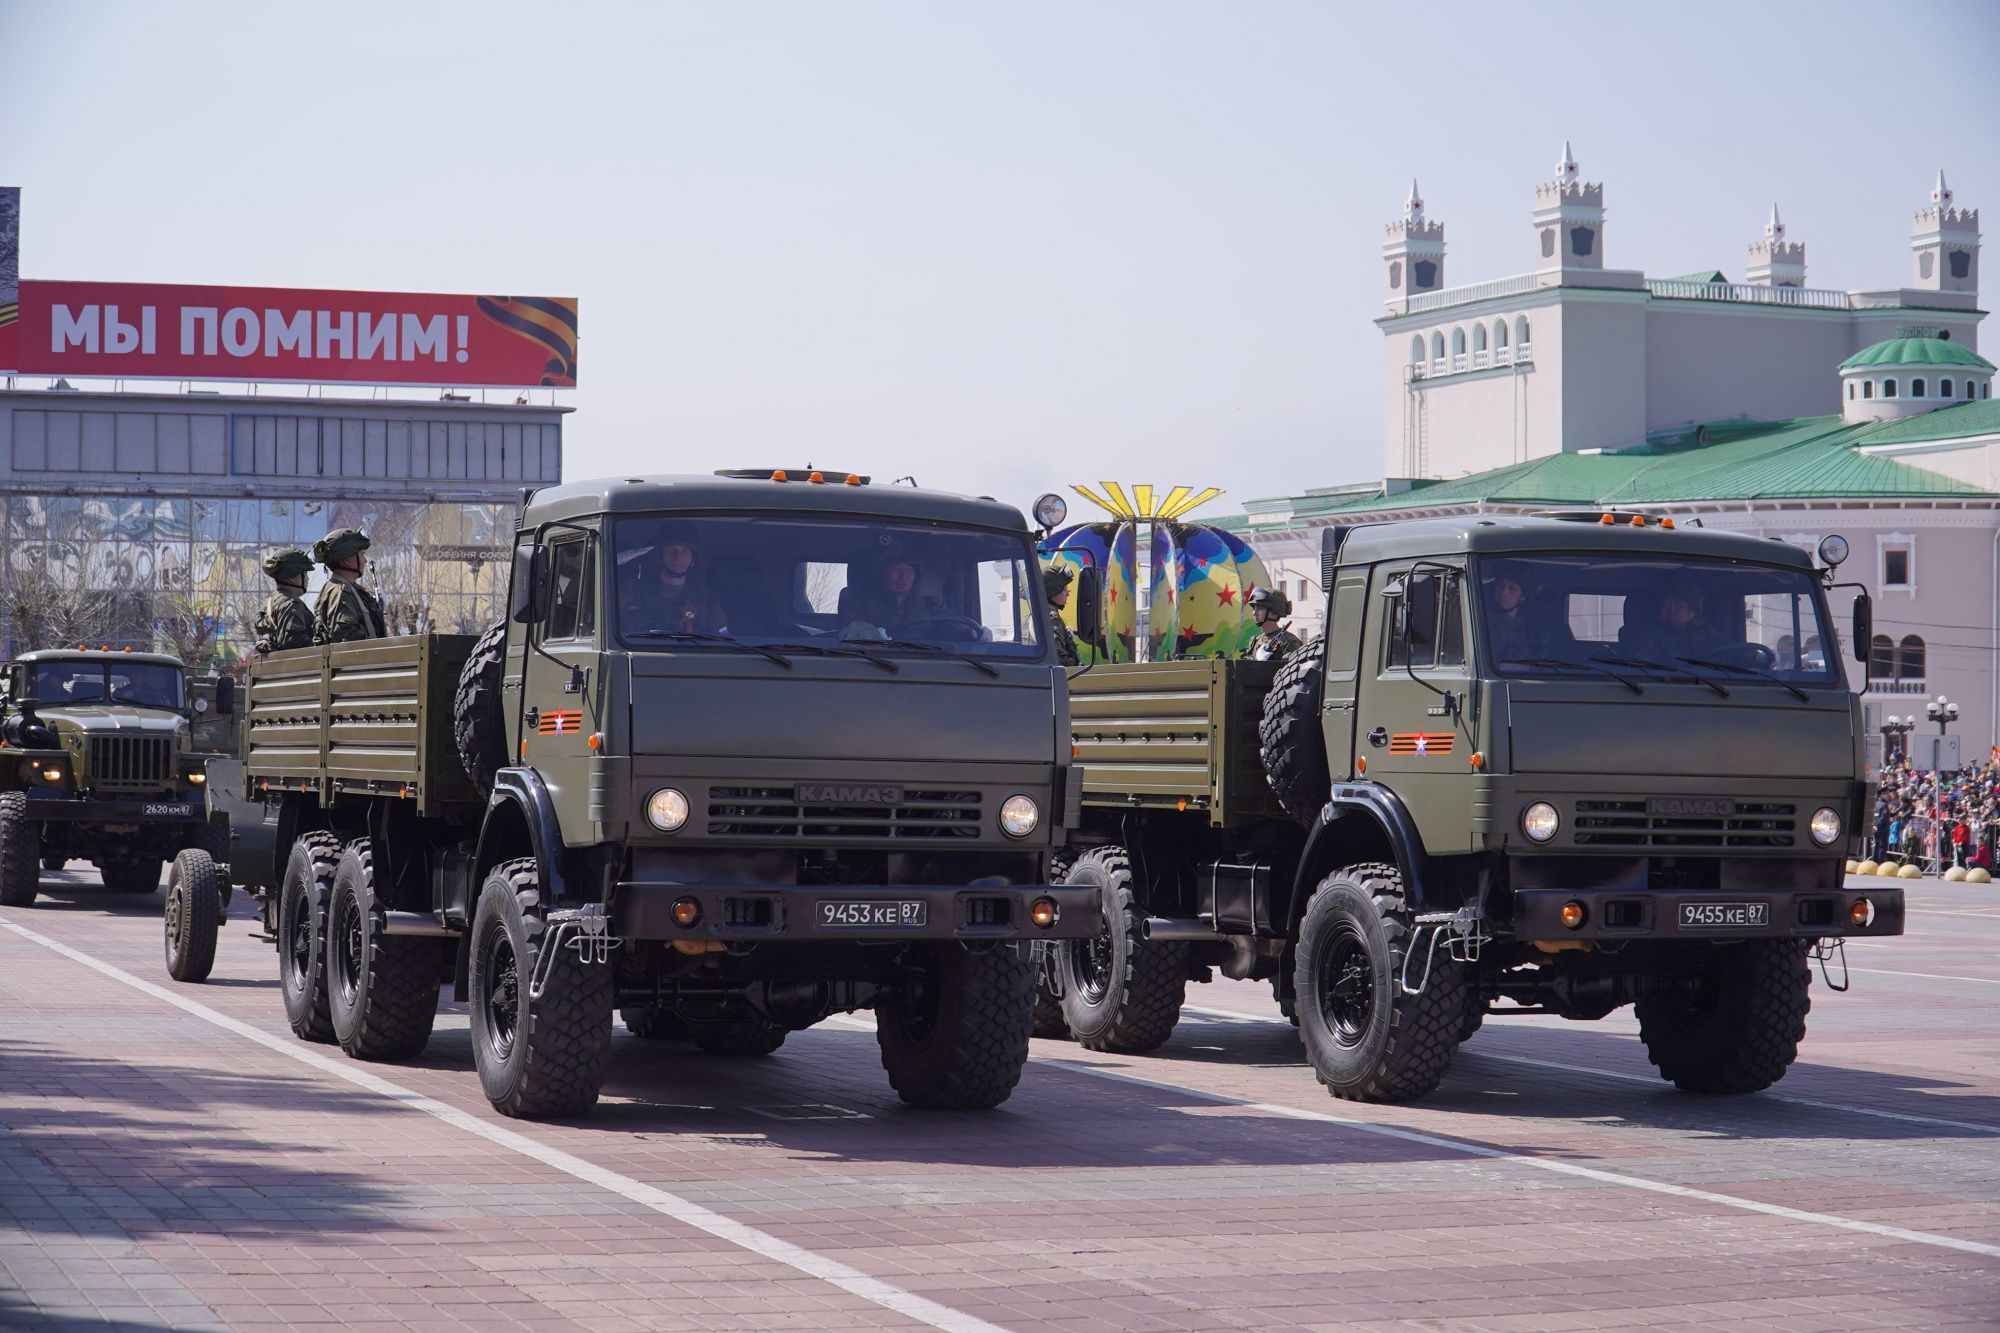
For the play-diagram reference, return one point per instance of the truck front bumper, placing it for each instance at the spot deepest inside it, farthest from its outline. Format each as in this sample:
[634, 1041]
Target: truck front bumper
[153, 810]
[1715, 914]
[865, 913]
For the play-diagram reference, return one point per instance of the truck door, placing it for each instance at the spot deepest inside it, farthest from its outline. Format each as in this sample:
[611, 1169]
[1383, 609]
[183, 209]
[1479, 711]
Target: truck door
[1346, 621]
[561, 692]
[1411, 716]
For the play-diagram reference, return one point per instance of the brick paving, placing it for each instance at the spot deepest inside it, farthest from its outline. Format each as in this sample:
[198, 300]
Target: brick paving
[158, 1171]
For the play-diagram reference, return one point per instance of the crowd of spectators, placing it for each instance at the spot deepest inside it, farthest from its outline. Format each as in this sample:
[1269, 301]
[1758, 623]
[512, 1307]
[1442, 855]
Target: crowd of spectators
[1911, 812]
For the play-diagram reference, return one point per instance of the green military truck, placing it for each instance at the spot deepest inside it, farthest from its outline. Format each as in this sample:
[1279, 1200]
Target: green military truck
[1556, 764]
[748, 751]
[97, 764]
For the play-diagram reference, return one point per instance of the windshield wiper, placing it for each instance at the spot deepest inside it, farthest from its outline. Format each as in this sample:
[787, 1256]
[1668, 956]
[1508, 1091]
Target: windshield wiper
[841, 650]
[722, 640]
[939, 650]
[1572, 664]
[1755, 671]
[1650, 665]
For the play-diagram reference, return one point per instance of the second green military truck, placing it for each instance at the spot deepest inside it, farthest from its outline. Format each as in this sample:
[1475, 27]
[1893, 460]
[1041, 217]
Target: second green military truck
[747, 751]
[1555, 765]
[97, 764]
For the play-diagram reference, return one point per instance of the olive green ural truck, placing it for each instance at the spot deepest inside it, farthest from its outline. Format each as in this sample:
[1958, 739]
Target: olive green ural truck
[96, 764]
[1555, 765]
[748, 751]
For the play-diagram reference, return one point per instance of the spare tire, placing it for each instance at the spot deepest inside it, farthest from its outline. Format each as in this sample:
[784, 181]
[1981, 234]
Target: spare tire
[478, 724]
[1293, 745]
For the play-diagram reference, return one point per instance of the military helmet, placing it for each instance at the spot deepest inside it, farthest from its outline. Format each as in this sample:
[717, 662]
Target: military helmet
[289, 565]
[1271, 601]
[1056, 579]
[340, 544]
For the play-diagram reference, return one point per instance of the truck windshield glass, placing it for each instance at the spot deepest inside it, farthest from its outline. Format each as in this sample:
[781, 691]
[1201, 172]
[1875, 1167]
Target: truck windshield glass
[1664, 615]
[107, 682]
[785, 580]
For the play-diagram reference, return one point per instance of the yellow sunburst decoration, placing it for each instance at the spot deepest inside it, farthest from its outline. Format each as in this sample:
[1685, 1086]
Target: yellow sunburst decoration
[1143, 504]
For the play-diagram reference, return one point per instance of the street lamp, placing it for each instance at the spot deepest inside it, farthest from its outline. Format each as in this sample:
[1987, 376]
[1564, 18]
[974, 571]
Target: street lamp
[1895, 738]
[1943, 712]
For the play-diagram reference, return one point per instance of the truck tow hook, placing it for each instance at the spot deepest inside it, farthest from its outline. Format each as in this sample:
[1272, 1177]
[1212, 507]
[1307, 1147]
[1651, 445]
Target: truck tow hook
[1824, 951]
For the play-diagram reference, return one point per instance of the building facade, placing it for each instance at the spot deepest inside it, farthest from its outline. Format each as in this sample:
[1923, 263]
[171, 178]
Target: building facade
[141, 518]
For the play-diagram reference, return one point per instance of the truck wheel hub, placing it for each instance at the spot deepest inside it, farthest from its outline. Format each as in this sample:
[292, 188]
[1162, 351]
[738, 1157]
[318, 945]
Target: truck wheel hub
[1347, 987]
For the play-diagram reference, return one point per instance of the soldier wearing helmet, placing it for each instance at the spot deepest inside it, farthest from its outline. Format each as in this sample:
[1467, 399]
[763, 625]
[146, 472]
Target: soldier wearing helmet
[1055, 585]
[286, 621]
[346, 611]
[667, 593]
[1275, 643]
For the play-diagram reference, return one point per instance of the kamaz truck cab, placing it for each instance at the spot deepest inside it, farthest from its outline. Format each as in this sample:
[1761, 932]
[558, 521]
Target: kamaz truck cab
[96, 764]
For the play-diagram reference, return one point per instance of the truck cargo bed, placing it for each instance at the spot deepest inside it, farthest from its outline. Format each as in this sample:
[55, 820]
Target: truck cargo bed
[370, 718]
[1177, 735]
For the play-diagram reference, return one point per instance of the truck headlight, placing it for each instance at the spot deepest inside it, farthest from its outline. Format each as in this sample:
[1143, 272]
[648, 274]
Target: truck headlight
[666, 810]
[1019, 815]
[1825, 825]
[1539, 821]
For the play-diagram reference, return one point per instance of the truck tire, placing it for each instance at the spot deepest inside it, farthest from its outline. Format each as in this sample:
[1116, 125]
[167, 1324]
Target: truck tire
[1049, 1021]
[654, 1023]
[955, 1036]
[128, 875]
[20, 852]
[1367, 1040]
[1734, 1027]
[1289, 735]
[738, 1036]
[302, 899]
[193, 916]
[478, 722]
[537, 1059]
[382, 989]
[1121, 991]
[54, 863]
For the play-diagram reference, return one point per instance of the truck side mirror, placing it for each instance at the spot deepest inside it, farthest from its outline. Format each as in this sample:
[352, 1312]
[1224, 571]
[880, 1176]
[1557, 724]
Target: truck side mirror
[1864, 626]
[524, 585]
[225, 696]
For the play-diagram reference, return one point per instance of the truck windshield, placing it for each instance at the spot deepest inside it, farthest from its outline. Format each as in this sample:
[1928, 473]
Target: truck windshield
[107, 682]
[1545, 615]
[764, 580]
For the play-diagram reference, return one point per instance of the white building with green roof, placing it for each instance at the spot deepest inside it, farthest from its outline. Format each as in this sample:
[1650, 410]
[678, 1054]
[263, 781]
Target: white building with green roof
[1763, 406]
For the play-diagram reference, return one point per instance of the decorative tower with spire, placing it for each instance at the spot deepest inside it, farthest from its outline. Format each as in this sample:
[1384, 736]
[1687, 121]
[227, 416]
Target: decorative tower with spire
[1945, 244]
[1775, 261]
[1569, 220]
[1413, 251]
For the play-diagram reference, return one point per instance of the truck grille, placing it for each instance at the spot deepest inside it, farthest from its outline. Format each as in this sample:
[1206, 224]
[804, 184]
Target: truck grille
[131, 763]
[1630, 824]
[774, 812]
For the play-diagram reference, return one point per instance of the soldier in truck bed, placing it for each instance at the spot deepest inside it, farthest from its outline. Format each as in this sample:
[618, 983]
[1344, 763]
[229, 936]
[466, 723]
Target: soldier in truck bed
[1055, 585]
[346, 611]
[1275, 643]
[286, 621]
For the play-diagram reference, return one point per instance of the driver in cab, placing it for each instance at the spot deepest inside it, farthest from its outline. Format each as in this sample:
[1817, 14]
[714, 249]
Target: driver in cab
[667, 592]
[890, 598]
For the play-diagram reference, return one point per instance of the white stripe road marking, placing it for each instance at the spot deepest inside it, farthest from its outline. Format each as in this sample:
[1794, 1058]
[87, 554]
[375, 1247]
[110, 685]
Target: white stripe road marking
[831, 1271]
[1561, 1168]
[1651, 1080]
[1927, 976]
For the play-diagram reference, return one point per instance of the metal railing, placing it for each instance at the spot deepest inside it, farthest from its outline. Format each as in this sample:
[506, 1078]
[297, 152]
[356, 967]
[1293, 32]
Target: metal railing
[1481, 291]
[1882, 685]
[1682, 289]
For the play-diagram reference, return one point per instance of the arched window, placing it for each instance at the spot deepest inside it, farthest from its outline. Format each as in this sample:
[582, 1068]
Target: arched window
[1499, 333]
[1417, 350]
[1458, 342]
[1881, 657]
[1521, 331]
[1850, 391]
[1910, 658]
[1437, 347]
[1478, 337]
[1916, 388]
[1868, 388]
[1888, 388]
[1944, 388]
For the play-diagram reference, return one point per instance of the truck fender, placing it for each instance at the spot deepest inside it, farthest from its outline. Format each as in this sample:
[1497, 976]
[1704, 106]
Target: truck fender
[1362, 822]
[520, 820]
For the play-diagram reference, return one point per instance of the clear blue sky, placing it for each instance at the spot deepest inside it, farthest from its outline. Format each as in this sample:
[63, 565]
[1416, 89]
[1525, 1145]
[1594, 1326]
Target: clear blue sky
[999, 247]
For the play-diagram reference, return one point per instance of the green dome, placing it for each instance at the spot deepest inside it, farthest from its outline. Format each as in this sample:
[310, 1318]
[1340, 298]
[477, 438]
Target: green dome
[1917, 352]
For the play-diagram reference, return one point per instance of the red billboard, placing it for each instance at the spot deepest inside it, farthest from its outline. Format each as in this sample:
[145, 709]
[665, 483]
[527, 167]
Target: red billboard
[129, 330]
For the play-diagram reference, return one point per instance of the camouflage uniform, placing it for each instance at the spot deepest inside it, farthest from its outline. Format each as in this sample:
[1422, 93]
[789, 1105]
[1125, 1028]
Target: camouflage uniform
[1055, 581]
[1275, 647]
[286, 621]
[346, 612]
